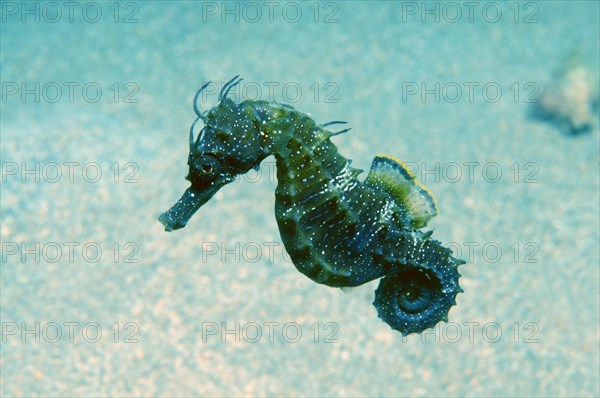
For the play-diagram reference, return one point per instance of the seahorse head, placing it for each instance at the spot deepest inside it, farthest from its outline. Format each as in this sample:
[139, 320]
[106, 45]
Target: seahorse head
[229, 144]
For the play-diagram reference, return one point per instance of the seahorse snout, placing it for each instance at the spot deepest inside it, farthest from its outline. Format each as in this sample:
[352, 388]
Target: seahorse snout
[181, 212]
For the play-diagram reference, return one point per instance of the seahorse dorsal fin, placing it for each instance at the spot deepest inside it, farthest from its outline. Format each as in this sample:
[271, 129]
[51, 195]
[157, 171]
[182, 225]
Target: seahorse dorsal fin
[392, 176]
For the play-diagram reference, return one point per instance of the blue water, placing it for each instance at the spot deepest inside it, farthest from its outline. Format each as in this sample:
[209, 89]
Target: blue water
[217, 308]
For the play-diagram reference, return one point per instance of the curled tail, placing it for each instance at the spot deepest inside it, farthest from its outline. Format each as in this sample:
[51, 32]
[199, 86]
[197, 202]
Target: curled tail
[421, 282]
[420, 289]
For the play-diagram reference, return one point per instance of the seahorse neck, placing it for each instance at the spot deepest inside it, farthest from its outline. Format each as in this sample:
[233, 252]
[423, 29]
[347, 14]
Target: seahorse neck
[282, 123]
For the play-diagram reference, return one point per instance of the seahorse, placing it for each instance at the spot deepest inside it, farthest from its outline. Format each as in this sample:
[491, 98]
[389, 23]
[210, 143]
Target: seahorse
[338, 230]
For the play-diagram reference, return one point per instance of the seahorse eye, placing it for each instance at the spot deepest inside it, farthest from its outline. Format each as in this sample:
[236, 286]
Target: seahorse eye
[206, 166]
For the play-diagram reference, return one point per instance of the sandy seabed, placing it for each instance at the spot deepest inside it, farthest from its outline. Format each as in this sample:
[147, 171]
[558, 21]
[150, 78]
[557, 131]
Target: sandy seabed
[97, 300]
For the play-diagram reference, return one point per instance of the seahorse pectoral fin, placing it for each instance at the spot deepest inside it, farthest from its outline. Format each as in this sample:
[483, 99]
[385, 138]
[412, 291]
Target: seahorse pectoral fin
[392, 176]
[181, 212]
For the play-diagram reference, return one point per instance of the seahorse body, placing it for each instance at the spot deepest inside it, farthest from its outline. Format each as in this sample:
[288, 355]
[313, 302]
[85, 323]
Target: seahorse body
[339, 231]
